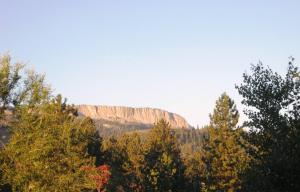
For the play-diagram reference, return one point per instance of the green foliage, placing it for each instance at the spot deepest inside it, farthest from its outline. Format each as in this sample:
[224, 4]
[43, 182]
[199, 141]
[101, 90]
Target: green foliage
[194, 171]
[224, 156]
[9, 81]
[34, 91]
[52, 149]
[47, 149]
[190, 140]
[274, 123]
[48, 143]
[163, 166]
[16, 90]
[191, 146]
[125, 157]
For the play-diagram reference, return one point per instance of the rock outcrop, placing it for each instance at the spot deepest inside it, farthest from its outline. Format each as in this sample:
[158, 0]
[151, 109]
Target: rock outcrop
[132, 115]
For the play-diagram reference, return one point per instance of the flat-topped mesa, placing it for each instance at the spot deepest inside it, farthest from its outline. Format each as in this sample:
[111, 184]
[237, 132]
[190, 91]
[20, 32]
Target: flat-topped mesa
[132, 115]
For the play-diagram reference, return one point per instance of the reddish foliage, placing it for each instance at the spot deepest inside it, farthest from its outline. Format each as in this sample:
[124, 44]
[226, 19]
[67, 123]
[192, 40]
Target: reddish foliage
[100, 175]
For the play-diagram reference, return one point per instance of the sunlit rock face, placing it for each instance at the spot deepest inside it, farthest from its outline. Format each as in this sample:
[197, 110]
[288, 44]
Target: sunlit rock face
[146, 116]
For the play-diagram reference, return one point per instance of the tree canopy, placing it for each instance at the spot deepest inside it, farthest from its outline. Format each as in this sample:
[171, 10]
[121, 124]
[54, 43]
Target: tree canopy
[274, 117]
[225, 157]
[49, 145]
[52, 148]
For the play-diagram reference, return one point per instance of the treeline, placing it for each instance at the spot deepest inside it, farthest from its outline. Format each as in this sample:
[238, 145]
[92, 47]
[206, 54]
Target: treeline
[114, 128]
[51, 148]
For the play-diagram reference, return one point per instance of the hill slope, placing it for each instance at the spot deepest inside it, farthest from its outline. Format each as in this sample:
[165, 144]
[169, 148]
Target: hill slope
[129, 116]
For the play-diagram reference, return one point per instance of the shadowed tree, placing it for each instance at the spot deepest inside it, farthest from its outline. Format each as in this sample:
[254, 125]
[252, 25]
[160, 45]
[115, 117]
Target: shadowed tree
[274, 123]
[126, 158]
[163, 168]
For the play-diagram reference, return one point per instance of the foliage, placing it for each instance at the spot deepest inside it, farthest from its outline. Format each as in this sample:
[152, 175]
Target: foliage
[29, 89]
[163, 166]
[9, 81]
[274, 123]
[47, 148]
[224, 155]
[99, 175]
[194, 171]
[126, 161]
[115, 128]
[52, 149]
[190, 140]
[48, 143]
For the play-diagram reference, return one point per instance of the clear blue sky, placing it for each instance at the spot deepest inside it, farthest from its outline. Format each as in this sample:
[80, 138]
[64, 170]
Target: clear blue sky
[169, 54]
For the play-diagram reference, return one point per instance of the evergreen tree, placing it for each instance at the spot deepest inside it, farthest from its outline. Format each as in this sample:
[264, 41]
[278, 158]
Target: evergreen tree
[133, 168]
[224, 155]
[274, 123]
[48, 148]
[115, 157]
[163, 168]
[126, 158]
[49, 145]
[194, 171]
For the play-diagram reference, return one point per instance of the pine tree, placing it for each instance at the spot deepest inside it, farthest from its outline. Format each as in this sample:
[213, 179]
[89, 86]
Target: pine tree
[194, 171]
[126, 157]
[224, 156]
[163, 168]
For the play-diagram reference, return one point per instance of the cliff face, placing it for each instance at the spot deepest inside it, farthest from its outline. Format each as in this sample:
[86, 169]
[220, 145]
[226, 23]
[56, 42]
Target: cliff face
[132, 115]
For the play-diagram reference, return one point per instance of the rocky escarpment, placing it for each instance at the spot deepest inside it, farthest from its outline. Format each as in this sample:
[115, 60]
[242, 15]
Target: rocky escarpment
[126, 115]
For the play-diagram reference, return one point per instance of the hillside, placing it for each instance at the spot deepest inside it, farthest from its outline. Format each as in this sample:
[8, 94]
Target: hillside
[128, 118]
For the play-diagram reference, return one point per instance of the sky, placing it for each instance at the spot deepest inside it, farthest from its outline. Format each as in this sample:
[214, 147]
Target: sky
[175, 55]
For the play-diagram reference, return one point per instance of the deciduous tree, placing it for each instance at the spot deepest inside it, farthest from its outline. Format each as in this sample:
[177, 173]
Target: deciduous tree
[274, 123]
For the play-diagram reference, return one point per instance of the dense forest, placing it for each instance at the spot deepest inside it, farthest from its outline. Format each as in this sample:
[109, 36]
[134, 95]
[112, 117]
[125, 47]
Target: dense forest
[51, 148]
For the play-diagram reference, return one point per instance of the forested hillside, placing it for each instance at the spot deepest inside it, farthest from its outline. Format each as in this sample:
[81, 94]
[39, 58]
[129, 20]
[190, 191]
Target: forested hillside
[53, 148]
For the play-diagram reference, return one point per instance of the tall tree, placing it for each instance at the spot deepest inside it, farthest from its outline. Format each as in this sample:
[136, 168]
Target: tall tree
[194, 171]
[163, 165]
[224, 155]
[133, 167]
[126, 158]
[48, 148]
[9, 81]
[274, 123]
[29, 89]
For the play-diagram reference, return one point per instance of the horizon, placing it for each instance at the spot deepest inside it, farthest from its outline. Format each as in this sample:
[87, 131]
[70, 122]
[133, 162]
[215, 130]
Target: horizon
[172, 55]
